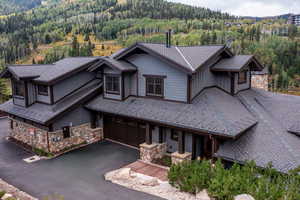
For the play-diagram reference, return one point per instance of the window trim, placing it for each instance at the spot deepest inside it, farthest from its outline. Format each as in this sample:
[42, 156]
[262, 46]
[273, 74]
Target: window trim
[41, 92]
[15, 83]
[162, 85]
[119, 88]
[246, 77]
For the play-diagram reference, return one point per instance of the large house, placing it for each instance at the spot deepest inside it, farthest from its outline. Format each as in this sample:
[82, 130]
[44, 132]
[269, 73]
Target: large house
[188, 101]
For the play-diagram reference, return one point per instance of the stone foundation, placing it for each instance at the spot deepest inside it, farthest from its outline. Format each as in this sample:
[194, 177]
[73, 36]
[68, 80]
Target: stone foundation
[53, 142]
[260, 81]
[153, 151]
[179, 158]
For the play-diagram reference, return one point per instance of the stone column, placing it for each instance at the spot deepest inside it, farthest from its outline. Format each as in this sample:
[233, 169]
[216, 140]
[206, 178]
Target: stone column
[149, 152]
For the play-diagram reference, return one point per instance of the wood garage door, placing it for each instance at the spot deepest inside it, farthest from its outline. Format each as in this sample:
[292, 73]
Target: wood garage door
[124, 131]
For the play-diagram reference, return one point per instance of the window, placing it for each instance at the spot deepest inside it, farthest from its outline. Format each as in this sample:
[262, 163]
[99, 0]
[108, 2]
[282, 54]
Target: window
[43, 90]
[112, 84]
[154, 86]
[243, 77]
[66, 132]
[19, 88]
[174, 135]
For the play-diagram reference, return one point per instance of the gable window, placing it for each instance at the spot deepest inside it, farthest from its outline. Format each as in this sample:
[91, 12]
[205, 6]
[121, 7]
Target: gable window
[112, 84]
[19, 88]
[155, 86]
[43, 90]
[242, 77]
[66, 132]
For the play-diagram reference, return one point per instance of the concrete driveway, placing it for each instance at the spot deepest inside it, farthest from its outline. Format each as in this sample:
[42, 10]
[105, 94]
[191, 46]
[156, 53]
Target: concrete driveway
[77, 175]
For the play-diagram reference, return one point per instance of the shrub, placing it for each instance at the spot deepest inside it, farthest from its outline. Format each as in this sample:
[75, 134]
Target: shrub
[2, 193]
[224, 184]
[41, 152]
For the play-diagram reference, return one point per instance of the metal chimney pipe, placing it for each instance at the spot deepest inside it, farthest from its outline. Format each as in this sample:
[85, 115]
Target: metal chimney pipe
[167, 39]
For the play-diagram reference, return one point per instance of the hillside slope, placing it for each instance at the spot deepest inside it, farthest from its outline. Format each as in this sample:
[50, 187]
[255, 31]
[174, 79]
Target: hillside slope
[12, 6]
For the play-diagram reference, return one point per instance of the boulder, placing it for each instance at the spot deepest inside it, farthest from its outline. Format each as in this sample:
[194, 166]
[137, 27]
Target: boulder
[149, 182]
[7, 196]
[120, 174]
[244, 197]
[203, 195]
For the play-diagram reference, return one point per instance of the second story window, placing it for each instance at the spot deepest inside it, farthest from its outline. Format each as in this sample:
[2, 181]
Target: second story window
[43, 90]
[112, 84]
[19, 88]
[243, 77]
[155, 86]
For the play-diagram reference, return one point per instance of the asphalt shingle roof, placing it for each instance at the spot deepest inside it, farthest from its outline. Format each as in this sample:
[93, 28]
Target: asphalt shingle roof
[269, 141]
[214, 112]
[188, 57]
[42, 113]
[121, 65]
[47, 73]
[233, 64]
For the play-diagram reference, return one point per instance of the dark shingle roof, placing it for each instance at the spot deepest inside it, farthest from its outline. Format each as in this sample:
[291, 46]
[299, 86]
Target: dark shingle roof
[269, 141]
[190, 58]
[42, 113]
[233, 64]
[214, 112]
[116, 64]
[47, 73]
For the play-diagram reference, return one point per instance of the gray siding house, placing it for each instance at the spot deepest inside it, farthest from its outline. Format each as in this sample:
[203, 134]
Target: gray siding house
[190, 102]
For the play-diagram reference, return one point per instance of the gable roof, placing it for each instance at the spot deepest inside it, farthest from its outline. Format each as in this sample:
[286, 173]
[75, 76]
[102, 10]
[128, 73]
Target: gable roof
[49, 74]
[269, 141]
[236, 63]
[45, 114]
[118, 65]
[186, 58]
[212, 112]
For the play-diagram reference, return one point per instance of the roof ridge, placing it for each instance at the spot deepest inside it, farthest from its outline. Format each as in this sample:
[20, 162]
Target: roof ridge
[184, 58]
[210, 45]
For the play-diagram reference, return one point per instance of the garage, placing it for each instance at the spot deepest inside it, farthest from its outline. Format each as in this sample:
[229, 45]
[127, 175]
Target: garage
[125, 131]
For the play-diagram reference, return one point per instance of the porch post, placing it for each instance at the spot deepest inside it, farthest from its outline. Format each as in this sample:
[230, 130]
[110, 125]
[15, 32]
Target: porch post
[181, 142]
[93, 120]
[148, 134]
[161, 134]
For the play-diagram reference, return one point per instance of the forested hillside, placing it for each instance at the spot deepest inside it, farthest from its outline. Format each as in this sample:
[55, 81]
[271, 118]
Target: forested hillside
[61, 28]
[12, 6]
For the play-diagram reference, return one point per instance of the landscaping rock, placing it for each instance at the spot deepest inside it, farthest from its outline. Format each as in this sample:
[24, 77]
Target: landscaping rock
[203, 195]
[244, 197]
[120, 174]
[149, 182]
[6, 196]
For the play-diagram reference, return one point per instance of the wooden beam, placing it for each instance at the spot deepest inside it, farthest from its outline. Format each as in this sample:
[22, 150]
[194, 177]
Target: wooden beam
[181, 142]
[161, 135]
[148, 134]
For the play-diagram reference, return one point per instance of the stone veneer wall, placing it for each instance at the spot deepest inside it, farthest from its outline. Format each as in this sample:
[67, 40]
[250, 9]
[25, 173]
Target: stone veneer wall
[38, 138]
[153, 151]
[260, 81]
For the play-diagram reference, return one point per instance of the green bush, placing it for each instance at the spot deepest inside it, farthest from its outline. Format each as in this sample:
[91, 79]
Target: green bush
[2, 193]
[224, 184]
[41, 152]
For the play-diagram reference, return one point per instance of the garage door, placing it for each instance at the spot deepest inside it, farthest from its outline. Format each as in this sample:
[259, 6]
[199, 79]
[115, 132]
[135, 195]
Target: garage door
[124, 131]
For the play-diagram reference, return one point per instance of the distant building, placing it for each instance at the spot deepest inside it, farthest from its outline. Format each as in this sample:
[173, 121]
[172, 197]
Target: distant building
[294, 19]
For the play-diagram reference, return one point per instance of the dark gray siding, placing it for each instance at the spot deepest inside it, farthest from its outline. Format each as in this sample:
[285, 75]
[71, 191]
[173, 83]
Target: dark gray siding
[202, 79]
[239, 87]
[175, 83]
[223, 80]
[67, 86]
[31, 93]
[19, 101]
[74, 118]
[127, 85]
